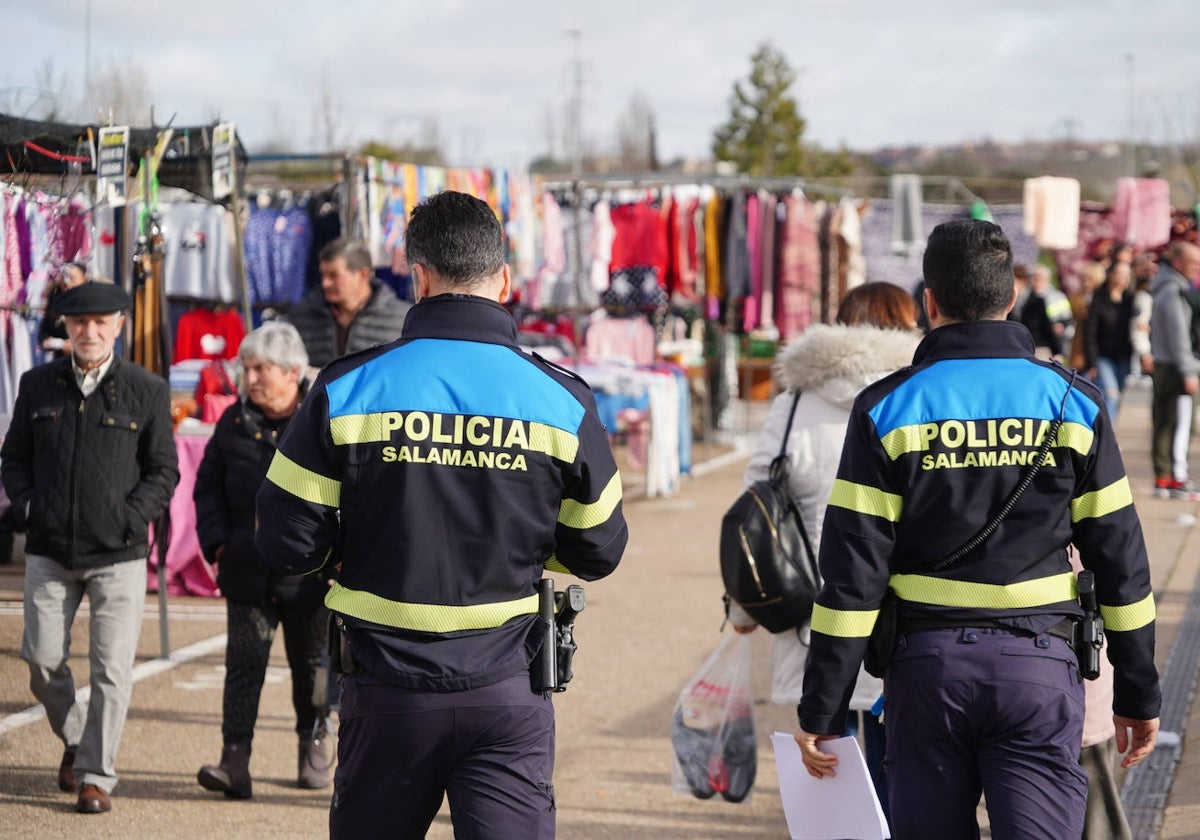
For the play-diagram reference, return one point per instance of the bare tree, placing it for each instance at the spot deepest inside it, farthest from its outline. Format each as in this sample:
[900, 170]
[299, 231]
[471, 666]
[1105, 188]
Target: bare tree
[636, 146]
[326, 114]
[120, 91]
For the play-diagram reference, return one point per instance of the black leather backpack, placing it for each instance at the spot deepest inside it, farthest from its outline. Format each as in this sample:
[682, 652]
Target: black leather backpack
[767, 561]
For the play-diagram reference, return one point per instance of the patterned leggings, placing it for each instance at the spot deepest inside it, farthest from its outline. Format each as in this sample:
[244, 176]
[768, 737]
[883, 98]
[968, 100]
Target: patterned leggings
[251, 630]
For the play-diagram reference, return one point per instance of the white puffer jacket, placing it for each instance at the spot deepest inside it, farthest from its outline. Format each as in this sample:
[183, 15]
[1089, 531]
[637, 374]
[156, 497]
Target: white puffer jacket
[829, 365]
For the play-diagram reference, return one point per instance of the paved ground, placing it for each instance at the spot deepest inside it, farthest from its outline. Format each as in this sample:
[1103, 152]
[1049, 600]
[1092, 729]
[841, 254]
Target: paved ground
[644, 632]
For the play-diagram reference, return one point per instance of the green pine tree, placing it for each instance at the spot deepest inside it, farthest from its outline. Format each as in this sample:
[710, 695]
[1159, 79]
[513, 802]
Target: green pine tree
[763, 135]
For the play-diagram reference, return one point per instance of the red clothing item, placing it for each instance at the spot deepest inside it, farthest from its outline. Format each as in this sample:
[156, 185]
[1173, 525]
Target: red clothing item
[641, 239]
[207, 334]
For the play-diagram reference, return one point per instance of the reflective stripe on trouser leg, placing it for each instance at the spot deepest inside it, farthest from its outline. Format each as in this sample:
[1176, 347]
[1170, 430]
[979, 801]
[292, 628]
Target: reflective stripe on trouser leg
[991, 711]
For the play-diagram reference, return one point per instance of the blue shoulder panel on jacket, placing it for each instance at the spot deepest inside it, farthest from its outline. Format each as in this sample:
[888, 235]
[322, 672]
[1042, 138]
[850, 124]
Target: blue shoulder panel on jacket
[980, 389]
[455, 377]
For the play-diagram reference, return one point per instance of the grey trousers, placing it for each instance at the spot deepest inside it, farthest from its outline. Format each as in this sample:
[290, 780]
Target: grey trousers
[116, 595]
[1105, 817]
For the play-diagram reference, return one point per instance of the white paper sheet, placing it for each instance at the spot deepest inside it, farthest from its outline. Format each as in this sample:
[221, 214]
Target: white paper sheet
[844, 807]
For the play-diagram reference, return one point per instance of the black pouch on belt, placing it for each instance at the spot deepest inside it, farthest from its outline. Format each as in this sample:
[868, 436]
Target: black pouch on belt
[883, 637]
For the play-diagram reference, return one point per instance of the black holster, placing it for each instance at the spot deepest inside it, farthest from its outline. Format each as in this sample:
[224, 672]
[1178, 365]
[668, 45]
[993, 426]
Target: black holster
[341, 658]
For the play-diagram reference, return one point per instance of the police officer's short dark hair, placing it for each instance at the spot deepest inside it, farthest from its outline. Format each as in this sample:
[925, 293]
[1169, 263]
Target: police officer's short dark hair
[969, 269]
[457, 236]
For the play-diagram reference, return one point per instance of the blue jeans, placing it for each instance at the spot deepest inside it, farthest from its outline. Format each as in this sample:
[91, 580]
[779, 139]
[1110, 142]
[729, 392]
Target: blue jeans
[1110, 377]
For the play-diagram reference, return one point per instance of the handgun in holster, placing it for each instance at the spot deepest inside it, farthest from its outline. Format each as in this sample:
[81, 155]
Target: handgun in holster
[557, 611]
[341, 658]
[1089, 630]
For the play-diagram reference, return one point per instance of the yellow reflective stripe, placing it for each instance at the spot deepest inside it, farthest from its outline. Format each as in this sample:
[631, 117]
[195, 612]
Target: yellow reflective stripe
[904, 439]
[915, 438]
[378, 427]
[1102, 502]
[1075, 436]
[863, 499]
[553, 565]
[850, 624]
[555, 442]
[358, 428]
[305, 484]
[427, 618]
[582, 515]
[1129, 617]
[943, 592]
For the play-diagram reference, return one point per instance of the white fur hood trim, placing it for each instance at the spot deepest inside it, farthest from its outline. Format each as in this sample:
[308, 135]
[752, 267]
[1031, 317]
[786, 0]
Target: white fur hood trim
[839, 361]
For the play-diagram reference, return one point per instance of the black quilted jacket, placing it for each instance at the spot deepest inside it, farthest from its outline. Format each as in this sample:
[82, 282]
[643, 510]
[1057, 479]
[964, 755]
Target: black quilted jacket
[86, 475]
[234, 465]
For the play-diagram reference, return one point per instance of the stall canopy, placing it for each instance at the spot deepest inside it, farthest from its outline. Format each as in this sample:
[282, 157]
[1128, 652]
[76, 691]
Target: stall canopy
[38, 147]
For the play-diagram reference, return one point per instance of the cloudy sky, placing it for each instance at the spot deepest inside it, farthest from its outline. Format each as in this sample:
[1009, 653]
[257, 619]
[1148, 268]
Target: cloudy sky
[493, 76]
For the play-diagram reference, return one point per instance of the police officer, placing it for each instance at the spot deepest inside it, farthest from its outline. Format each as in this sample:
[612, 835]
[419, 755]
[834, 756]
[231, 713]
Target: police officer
[444, 471]
[982, 692]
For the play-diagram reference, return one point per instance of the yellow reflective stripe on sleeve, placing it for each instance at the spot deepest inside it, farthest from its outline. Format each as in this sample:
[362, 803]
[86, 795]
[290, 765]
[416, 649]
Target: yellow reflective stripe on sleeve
[358, 428]
[427, 618]
[1075, 436]
[581, 515]
[904, 439]
[553, 565]
[305, 484]
[1129, 617]
[1102, 502]
[847, 624]
[863, 499]
[555, 442]
[943, 592]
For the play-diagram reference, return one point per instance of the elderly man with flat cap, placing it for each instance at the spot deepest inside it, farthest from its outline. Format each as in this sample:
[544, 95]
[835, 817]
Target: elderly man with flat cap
[88, 462]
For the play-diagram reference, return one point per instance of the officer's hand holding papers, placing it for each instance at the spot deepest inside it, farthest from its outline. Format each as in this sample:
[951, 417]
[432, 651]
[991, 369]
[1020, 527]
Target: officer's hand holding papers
[819, 803]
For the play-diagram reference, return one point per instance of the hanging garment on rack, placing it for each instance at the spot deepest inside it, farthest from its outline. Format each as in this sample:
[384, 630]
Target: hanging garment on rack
[1052, 211]
[799, 267]
[736, 267]
[198, 243]
[850, 230]
[277, 244]
[640, 240]
[16, 238]
[751, 314]
[907, 232]
[714, 280]
[768, 258]
[1142, 212]
[204, 333]
[603, 234]
[630, 340]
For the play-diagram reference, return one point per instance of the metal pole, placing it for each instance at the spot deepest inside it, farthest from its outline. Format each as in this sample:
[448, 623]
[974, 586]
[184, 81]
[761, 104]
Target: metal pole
[1132, 142]
[162, 533]
[239, 259]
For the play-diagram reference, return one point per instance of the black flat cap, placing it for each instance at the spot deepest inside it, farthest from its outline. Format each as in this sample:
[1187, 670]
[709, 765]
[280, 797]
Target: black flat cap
[92, 298]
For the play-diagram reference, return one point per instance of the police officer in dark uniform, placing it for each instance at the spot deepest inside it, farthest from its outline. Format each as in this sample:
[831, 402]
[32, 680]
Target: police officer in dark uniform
[983, 691]
[444, 471]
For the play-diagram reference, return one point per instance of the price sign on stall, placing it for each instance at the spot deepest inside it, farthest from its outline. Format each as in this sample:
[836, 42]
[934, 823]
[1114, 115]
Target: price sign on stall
[112, 165]
[222, 165]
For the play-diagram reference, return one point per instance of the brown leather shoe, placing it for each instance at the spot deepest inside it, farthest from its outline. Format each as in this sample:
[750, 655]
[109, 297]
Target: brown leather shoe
[66, 771]
[93, 800]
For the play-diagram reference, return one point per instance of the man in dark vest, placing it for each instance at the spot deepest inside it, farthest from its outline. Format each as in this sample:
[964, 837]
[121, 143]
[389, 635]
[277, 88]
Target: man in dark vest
[351, 311]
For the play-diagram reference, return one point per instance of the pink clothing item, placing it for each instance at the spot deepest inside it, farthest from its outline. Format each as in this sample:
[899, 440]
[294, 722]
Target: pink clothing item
[187, 571]
[1052, 211]
[799, 267]
[626, 339]
[1142, 212]
[753, 302]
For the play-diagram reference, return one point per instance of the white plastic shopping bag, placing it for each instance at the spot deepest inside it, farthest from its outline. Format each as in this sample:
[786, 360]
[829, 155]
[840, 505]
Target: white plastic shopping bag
[712, 730]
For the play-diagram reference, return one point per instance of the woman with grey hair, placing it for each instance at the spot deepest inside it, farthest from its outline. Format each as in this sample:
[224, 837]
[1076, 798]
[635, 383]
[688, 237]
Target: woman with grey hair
[258, 599]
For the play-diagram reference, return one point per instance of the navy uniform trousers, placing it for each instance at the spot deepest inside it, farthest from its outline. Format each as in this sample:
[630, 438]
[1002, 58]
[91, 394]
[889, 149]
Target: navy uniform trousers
[973, 710]
[490, 750]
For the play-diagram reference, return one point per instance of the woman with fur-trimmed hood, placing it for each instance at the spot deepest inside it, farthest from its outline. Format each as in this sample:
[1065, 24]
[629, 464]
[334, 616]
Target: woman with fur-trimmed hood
[875, 334]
